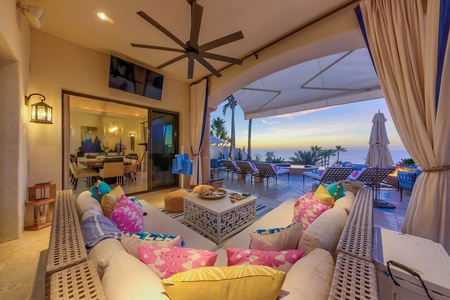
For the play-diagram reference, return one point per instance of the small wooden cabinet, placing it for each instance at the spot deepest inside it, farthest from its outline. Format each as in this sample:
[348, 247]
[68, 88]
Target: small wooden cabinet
[40, 198]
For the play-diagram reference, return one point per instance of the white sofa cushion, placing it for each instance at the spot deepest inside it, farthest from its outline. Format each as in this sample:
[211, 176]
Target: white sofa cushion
[102, 252]
[85, 202]
[281, 216]
[158, 222]
[309, 278]
[324, 232]
[128, 278]
[345, 202]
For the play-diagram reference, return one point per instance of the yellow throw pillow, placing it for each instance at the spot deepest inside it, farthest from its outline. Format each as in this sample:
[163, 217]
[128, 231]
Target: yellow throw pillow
[109, 200]
[324, 196]
[240, 282]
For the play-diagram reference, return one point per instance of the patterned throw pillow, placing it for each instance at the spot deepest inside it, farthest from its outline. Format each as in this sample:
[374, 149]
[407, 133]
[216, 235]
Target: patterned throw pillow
[223, 283]
[324, 196]
[284, 239]
[131, 241]
[110, 200]
[279, 260]
[307, 209]
[127, 216]
[166, 261]
[336, 190]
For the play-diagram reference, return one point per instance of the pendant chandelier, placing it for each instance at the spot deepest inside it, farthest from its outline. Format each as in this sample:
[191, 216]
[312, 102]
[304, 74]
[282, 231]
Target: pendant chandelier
[114, 128]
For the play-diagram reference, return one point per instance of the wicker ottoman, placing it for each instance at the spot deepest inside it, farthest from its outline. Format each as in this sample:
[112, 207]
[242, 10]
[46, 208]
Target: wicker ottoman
[174, 202]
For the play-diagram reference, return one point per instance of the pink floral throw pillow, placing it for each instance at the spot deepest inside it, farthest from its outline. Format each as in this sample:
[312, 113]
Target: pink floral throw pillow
[166, 261]
[308, 208]
[279, 260]
[127, 216]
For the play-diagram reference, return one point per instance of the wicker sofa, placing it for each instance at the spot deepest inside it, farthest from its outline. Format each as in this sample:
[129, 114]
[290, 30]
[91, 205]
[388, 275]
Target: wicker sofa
[338, 262]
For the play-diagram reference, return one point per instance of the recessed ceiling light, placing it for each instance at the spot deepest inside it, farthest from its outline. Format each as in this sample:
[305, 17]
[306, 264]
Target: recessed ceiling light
[104, 17]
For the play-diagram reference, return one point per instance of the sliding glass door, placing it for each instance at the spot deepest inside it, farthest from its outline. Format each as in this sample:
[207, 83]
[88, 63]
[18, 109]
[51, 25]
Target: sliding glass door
[164, 146]
[95, 128]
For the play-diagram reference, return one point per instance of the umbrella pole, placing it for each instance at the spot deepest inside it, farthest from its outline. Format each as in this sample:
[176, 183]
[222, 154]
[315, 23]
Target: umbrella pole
[378, 203]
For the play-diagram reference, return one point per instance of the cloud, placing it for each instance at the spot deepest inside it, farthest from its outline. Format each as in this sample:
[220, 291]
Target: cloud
[268, 122]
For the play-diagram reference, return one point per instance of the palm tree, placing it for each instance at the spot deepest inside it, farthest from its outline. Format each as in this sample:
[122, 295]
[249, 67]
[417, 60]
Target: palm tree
[326, 154]
[218, 128]
[304, 158]
[338, 150]
[231, 103]
[249, 149]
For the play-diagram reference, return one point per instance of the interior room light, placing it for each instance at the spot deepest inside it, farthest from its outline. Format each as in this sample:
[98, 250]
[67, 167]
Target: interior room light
[104, 17]
[40, 112]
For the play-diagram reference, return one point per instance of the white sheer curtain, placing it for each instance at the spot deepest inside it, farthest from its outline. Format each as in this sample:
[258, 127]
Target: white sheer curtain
[199, 103]
[403, 40]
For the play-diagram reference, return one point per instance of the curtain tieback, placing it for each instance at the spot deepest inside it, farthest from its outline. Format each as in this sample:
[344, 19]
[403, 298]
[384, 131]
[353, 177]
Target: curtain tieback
[436, 169]
[196, 154]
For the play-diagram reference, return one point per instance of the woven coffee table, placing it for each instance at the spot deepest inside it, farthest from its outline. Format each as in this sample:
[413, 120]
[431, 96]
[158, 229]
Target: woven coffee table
[219, 218]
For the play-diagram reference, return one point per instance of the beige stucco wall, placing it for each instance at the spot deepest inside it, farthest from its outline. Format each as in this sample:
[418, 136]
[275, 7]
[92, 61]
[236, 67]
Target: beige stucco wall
[14, 76]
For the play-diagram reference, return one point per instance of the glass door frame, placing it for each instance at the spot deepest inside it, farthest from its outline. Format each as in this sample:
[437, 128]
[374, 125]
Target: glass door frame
[65, 117]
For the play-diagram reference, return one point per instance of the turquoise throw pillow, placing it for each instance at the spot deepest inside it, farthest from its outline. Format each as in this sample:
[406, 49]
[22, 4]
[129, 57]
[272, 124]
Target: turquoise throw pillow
[99, 189]
[336, 190]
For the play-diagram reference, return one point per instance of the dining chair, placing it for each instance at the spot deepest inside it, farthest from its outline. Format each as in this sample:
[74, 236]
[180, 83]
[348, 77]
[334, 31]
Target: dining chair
[130, 171]
[82, 173]
[112, 169]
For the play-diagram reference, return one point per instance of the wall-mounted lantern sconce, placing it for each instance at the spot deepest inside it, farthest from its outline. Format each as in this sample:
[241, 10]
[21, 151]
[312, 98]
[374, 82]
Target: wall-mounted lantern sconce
[132, 135]
[40, 112]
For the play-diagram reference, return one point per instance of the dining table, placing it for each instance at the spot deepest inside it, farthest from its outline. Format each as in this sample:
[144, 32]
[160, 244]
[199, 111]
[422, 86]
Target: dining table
[94, 163]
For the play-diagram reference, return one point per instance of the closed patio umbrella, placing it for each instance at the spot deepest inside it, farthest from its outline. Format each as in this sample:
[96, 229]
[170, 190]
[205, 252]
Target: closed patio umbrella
[379, 155]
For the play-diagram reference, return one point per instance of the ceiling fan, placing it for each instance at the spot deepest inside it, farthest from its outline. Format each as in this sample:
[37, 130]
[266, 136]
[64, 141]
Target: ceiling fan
[191, 49]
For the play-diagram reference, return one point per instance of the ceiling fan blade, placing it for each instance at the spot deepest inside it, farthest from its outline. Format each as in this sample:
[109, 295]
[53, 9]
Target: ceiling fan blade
[190, 68]
[161, 28]
[157, 47]
[196, 20]
[232, 60]
[171, 61]
[208, 66]
[221, 41]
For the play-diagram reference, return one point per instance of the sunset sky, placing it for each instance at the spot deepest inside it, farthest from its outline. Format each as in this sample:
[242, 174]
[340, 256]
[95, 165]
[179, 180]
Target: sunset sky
[346, 125]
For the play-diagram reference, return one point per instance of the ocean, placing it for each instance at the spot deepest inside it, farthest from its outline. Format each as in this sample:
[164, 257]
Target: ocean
[355, 156]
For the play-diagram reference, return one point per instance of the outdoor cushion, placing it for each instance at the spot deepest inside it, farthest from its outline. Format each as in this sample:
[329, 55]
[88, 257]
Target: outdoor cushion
[279, 260]
[127, 216]
[309, 278]
[324, 232]
[223, 283]
[324, 196]
[131, 241]
[168, 260]
[336, 190]
[307, 209]
[286, 239]
[128, 278]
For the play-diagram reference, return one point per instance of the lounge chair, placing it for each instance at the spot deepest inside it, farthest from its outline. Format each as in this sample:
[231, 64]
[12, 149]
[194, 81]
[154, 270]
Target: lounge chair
[268, 170]
[329, 175]
[247, 169]
[231, 167]
[369, 175]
